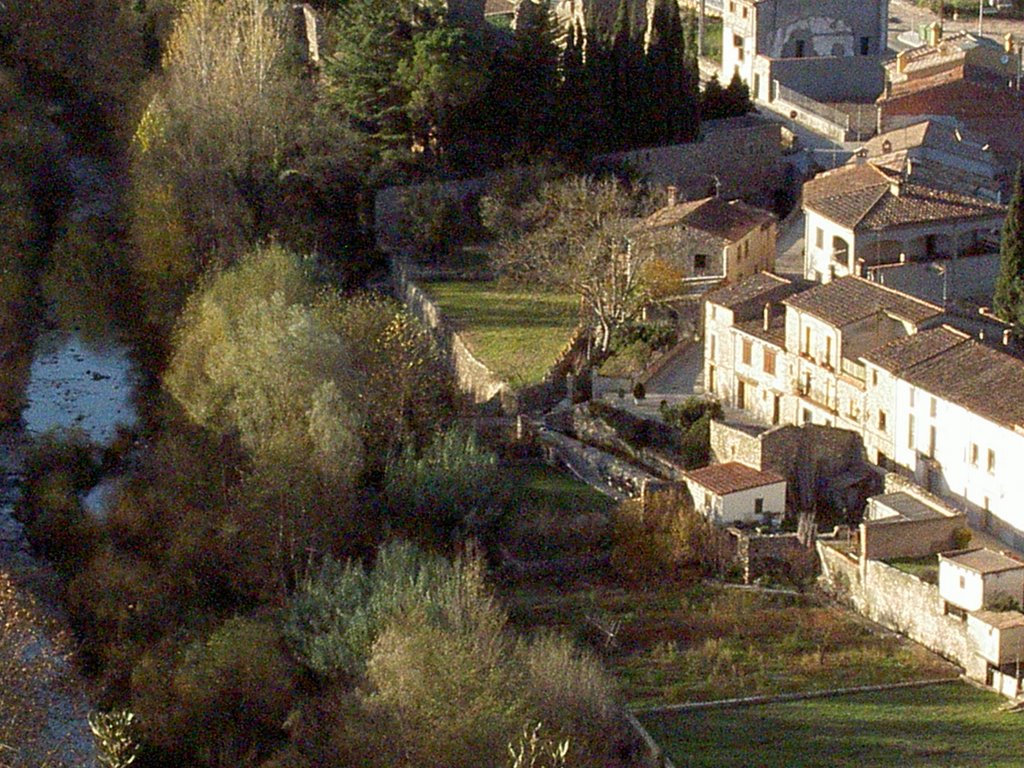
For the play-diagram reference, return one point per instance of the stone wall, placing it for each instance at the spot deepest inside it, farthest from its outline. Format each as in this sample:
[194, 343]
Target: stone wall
[744, 153]
[614, 476]
[887, 539]
[488, 392]
[758, 553]
[734, 443]
[597, 431]
[831, 80]
[900, 602]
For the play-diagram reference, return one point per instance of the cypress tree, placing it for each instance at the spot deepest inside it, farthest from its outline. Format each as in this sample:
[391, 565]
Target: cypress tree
[628, 91]
[666, 77]
[1009, 293]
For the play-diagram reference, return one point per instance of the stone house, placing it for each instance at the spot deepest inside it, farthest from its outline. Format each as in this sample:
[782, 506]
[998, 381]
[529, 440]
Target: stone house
[941, 154]
[751, 357]
[998, 638]
[829, 34]
[973, 579]
[963, 77]
[955, 417]
[735, 493]
[828, 328]
[925, 399]
[708, 241]
[863, 215]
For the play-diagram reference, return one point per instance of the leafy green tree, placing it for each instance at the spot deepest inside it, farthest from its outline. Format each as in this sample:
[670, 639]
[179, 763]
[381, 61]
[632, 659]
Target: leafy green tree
[1009, 290]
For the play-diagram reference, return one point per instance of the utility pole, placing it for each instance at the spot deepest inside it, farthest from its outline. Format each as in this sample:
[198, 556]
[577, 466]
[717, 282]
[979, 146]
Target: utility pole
[981, 14]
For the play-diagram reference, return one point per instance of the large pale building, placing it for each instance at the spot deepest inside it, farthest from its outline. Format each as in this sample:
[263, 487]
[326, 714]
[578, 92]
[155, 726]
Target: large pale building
[929, 400]
[757, 34]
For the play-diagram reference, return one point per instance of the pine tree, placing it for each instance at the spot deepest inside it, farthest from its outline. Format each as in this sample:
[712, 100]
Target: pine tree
[1009, 293]
[533, 62]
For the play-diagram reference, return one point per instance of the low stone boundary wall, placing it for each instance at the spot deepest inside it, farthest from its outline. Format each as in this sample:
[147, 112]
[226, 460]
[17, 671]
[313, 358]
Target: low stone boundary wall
[610, 474]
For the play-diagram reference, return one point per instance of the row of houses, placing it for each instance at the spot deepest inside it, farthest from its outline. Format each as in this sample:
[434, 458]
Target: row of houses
[926, 398]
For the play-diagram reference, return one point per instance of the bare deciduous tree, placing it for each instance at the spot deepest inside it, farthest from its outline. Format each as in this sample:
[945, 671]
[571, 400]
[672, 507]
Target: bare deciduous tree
[576, 234]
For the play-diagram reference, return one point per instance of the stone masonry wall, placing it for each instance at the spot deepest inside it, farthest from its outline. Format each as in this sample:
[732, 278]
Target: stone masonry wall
[885, 539]
[490, 393]
[730, 443]
[900, 602]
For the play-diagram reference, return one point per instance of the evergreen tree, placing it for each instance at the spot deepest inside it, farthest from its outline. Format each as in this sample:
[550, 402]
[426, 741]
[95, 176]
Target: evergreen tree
[665, 67]
[629, 82]
[530, 68]
[737, 96]
[1009, 293]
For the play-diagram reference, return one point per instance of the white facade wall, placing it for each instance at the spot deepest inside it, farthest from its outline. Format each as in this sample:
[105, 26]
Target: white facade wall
[996, 645]
[738, 43]
[962, 445]
[719, 352]
[738, 507]
[972, 591]
[819, 264]
[961, 586]
[760, 386]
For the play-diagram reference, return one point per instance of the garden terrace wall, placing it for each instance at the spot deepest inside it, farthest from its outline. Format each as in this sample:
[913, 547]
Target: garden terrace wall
[901, 602]
[891, 538]
[596, 430]
[488, 392]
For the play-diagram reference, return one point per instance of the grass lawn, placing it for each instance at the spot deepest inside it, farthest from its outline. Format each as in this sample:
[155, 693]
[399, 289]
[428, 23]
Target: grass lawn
[703, 642]
[552, 490]
[925, 568]
[932, 727]
[515, 333]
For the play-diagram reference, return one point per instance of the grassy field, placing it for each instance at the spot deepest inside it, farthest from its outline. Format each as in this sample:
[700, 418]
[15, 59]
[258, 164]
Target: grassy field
[925, 568]
[932, 727]
[517, 334]
[552, 490]
[703, 642]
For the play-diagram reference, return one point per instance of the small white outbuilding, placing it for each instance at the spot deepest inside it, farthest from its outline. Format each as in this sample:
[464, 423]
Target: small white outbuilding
[973, 579]
[735, 493]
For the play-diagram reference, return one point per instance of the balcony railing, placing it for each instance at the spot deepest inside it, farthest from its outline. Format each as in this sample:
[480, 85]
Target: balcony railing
[854, 369]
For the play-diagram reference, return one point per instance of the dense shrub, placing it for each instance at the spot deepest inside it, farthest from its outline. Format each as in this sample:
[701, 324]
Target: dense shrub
[454, 486]
[662, 538]
[59, 468]
[222, 697]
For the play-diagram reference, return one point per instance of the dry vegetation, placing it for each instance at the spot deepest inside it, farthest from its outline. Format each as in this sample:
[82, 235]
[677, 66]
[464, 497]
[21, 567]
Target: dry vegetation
[698, 641]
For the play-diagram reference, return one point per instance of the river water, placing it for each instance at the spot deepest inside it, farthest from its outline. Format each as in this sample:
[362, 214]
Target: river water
[73, 385]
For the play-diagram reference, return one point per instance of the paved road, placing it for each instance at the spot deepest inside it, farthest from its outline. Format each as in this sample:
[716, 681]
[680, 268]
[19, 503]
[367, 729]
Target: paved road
[905, 16]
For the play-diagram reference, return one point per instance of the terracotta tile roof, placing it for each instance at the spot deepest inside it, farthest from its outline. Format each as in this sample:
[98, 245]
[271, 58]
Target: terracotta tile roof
[982, 560]
[775, 333]
[849, 299]
[901, 354]
[763, 286]
[1000, 619]
[985, 381]
[864, 197]
[729, 221]
[732, 477]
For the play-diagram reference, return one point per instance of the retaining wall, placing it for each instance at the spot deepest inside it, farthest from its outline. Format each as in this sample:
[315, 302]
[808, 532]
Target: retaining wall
[491, 394]
[900, 602]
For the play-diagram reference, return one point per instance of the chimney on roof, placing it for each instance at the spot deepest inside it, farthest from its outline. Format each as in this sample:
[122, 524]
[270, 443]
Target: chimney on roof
[672, 195]
[933, 34]
[1008, 43]
[901, 61]
[1006, 337]
[768, 315]
[896, 187]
